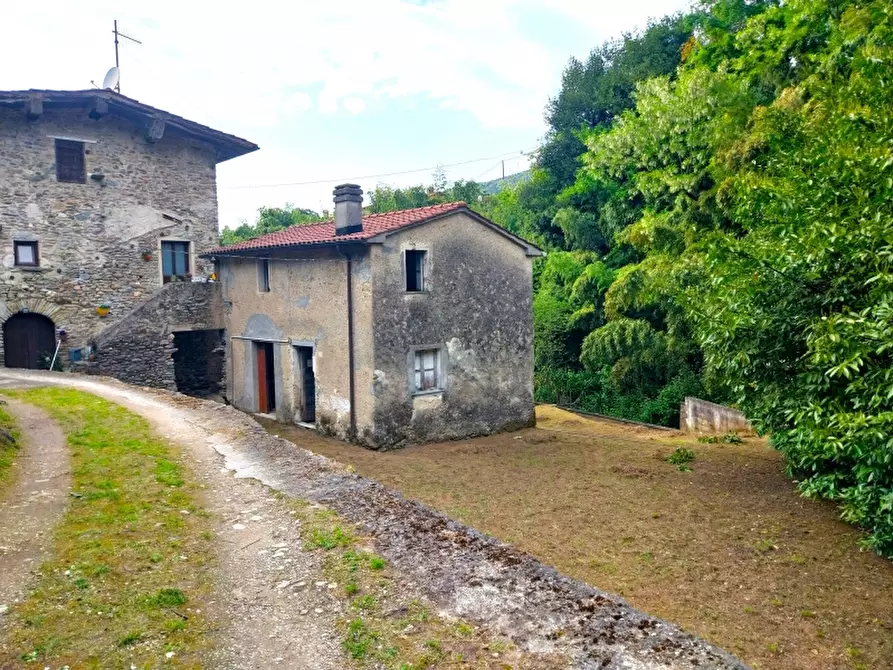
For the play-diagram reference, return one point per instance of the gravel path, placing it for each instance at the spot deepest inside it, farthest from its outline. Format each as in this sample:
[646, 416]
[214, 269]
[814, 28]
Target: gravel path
[465, 573]
[274, 607]
[34, 504]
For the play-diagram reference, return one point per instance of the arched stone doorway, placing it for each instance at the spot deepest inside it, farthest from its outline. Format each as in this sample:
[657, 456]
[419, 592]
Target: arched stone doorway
[27, 338]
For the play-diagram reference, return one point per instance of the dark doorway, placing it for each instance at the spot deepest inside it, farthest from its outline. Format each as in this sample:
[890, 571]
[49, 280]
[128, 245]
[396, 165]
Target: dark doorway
[27, 340]
[266, 383]
[305, 381]
[198, 362]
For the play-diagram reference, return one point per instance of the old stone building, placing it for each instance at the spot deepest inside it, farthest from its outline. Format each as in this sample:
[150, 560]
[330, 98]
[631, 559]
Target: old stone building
[105, 207]
[386, 329]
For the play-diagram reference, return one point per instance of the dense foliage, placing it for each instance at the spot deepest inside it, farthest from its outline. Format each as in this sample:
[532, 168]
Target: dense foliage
[728, 233]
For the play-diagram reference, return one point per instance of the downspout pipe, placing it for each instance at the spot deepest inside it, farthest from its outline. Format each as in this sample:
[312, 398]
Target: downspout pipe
[350, 347]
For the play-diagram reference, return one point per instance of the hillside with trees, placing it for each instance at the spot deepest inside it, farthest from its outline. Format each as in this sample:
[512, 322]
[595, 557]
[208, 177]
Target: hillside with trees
[721, 226]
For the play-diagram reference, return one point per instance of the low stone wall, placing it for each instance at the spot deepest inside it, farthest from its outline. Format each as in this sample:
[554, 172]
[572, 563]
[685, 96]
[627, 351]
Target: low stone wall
[140, 348]
[703, 416]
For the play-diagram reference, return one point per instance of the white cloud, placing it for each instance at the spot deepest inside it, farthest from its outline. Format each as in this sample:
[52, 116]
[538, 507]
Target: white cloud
[470, 55]
[354, 105]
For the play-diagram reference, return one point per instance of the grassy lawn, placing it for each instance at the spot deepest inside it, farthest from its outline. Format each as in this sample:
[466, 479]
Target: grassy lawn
[728, 550]
[8, 450]
[130, 558]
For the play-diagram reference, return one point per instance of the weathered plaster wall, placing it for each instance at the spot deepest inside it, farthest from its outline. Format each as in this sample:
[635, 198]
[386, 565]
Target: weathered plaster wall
[140, 348]
[92, 236]
[478, 309]
[306, 305]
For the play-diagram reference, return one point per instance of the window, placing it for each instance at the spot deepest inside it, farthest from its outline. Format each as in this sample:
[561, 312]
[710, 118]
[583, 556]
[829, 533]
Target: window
[70, 164]
[427, 370]
[415, 270]
[263, 275]
[25, 254]
[174, 260]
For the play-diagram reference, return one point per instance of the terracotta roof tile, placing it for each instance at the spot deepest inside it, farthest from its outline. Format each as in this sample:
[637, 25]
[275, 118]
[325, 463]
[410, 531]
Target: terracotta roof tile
[324, 233]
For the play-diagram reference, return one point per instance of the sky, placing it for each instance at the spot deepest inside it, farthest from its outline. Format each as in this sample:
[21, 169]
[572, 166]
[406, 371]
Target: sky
[332, 91]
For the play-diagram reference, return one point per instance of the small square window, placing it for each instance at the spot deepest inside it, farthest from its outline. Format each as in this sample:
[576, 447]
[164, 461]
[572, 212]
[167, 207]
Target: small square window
[415, 270]
[25, 254]
[263, 275]
[427, 370]
[70, 164]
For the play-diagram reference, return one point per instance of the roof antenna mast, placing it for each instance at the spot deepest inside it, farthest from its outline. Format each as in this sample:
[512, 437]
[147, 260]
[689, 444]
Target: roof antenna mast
[117, 65]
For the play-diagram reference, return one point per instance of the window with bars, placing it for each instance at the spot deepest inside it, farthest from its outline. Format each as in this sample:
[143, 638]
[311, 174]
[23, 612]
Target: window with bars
[25, 254]
[174, 260]
[71, 166]
[427, 370]
[415, 270]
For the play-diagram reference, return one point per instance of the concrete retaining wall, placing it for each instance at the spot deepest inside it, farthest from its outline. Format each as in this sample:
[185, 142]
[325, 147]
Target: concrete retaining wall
[703, 416]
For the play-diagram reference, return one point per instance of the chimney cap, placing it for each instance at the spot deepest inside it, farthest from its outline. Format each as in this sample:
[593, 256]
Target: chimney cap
[348, 192]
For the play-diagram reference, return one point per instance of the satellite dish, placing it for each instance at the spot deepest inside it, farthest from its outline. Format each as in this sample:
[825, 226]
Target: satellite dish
[111, 79]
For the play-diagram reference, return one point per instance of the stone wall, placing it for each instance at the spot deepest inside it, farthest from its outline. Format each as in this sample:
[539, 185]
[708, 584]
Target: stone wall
[476, 310]
[92, 237]
[703, 416]
[140, 348]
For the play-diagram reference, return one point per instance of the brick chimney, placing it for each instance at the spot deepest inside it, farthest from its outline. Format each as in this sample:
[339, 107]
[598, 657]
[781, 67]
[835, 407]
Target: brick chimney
[348, 209]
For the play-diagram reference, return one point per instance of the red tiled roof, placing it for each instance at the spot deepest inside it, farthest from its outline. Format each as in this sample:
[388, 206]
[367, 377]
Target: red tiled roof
[324, 233]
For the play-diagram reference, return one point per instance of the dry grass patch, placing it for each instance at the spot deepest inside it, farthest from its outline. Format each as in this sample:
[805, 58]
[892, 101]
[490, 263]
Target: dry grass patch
[130, 558]
[727, 549]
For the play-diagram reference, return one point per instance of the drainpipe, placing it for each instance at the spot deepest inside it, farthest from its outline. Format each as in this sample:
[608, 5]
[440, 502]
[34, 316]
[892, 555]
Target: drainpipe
[350, 362]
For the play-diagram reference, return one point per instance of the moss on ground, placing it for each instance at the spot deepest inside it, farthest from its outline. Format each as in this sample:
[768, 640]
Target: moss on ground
[131, 559]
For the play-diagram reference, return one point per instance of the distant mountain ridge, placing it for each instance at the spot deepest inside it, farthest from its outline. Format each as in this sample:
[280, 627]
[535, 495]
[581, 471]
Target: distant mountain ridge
[496, 185]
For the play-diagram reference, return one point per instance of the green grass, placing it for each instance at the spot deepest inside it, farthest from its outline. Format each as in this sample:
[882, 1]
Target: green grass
[129, 571]
[8, 451]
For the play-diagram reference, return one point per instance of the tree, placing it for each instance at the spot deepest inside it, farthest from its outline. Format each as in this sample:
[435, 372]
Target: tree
[269, 220]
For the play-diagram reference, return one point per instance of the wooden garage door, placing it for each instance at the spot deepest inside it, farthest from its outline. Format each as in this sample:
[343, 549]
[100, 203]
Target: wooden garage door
[26, 339]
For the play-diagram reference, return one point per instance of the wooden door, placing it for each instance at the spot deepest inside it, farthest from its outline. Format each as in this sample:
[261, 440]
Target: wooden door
[27, 339]
[261, 361]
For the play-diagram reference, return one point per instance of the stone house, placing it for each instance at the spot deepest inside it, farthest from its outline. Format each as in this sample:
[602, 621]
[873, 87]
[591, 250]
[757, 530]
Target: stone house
[385, 329]
[106, 205]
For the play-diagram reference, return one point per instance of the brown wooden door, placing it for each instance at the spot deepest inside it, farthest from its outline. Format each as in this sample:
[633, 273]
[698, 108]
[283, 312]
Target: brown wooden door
[261, 356]
[27, 339]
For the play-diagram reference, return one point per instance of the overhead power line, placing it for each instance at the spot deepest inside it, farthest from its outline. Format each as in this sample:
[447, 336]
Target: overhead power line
[372, 176]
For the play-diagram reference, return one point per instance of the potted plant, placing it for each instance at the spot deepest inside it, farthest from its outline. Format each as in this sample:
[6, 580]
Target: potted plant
[147, 255]
[103, 310]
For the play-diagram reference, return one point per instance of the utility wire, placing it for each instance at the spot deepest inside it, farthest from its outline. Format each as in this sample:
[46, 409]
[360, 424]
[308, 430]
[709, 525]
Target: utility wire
[370, 176]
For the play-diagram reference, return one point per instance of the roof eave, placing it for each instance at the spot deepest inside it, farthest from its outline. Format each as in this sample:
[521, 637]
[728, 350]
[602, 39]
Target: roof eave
[529, 249]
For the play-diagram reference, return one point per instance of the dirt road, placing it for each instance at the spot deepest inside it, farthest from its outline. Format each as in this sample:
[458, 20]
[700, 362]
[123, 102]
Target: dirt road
[259, 545]
[465, 573]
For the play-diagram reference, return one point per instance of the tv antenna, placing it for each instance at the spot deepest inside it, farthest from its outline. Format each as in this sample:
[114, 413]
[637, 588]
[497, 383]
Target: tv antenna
[117, 77]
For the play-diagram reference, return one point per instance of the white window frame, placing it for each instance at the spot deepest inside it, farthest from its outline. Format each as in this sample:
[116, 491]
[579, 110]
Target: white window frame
[161, 256]
[418, 367]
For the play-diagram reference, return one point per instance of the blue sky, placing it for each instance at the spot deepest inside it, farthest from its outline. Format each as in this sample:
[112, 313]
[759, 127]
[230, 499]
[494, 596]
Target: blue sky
[329, 90]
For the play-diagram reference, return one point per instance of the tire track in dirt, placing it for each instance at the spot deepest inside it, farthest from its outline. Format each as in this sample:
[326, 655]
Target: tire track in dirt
[34, 504]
